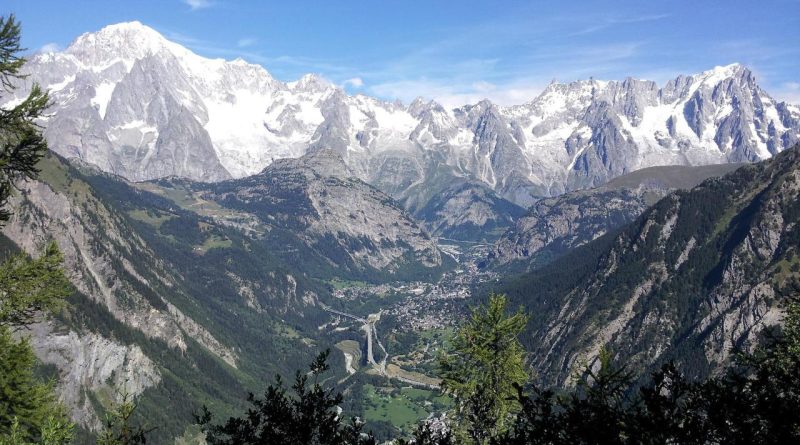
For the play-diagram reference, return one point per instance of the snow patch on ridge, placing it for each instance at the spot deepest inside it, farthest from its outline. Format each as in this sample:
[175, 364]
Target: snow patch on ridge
[102, 97]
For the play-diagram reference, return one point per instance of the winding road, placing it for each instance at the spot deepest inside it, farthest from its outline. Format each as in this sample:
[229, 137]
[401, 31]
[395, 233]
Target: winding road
[368, 326]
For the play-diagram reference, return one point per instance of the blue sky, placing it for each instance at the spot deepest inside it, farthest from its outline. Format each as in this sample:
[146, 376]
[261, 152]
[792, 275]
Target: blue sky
[455, 51]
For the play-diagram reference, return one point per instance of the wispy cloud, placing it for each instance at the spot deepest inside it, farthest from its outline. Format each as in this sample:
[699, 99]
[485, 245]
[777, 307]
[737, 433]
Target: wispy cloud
[246, 41]
[355, 82]
[511, 57]
[507, 60]
[471, 80]
[198, 4]
[602, 23]
[243, 49]
[466, 64]
[456, 94]
[49, 48]
[753, 50]
[788, 92]
[183, 39]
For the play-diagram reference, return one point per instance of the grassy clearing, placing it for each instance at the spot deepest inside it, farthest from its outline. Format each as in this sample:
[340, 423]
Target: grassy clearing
[393, 370]
[185, 199]
[214, 242]
[338, 284]
[150, 217]
[403, 407]
[54, 174]
[734, 209]
[426, 395]
[390, 405]
[57, 176]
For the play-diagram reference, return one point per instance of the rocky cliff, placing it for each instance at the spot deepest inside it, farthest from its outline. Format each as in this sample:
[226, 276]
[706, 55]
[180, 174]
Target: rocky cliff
[553, 226]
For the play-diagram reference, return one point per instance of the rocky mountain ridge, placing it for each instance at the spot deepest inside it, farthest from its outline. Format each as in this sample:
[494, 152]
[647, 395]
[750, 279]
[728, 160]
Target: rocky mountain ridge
[553, 226]
[316, 197]
[138, 105]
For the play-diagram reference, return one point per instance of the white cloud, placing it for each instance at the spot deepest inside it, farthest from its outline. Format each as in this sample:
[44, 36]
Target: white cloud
[198, 4]
[246, 41]
[355, 82]
[787, 92]
[460, 82]
[452, 95]
[50, 48]
[599, 24]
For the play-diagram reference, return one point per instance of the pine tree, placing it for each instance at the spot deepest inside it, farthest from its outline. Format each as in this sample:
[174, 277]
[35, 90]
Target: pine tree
[21, 142]
[119, 428]
[481, 371]
[754, 402]
[31, 286]
[29, 411]
[310, 416]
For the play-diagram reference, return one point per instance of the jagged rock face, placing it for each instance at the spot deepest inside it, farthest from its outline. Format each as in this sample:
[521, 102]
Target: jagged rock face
[348, 221]
[553, 226]
[699, 273]
[90, 362]
[130, 109]
[456, 207]
[140, 106]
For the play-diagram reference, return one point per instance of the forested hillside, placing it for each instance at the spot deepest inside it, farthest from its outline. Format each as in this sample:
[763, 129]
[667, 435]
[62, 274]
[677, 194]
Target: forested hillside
[699, 273]
[167, 304]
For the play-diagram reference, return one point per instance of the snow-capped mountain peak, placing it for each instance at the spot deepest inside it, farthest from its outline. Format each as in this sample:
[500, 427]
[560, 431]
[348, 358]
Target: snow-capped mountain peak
[720, 73]
[311, 83]
[141, 106]
[128, 41]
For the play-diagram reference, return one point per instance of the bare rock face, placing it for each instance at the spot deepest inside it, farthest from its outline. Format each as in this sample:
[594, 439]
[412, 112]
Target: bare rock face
[699, 273]
[348, 221]
[553, 226]
[100, 249]
[90, 362]
[455, 207]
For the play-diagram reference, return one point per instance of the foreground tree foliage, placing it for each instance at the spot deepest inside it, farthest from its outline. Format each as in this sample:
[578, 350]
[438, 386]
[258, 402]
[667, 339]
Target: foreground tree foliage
[310, 416]
[481, 371]
[21, 142]
[29, 412]
[31, 286]
[119, 428]
[425, 434]
[754, 402]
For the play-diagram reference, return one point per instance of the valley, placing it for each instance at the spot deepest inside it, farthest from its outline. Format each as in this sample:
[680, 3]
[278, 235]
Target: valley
[404, 328]
[215, 229]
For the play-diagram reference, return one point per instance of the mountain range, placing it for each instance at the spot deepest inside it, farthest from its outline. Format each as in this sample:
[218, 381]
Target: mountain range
[219, 225]
[139, 106]
[553, 226]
